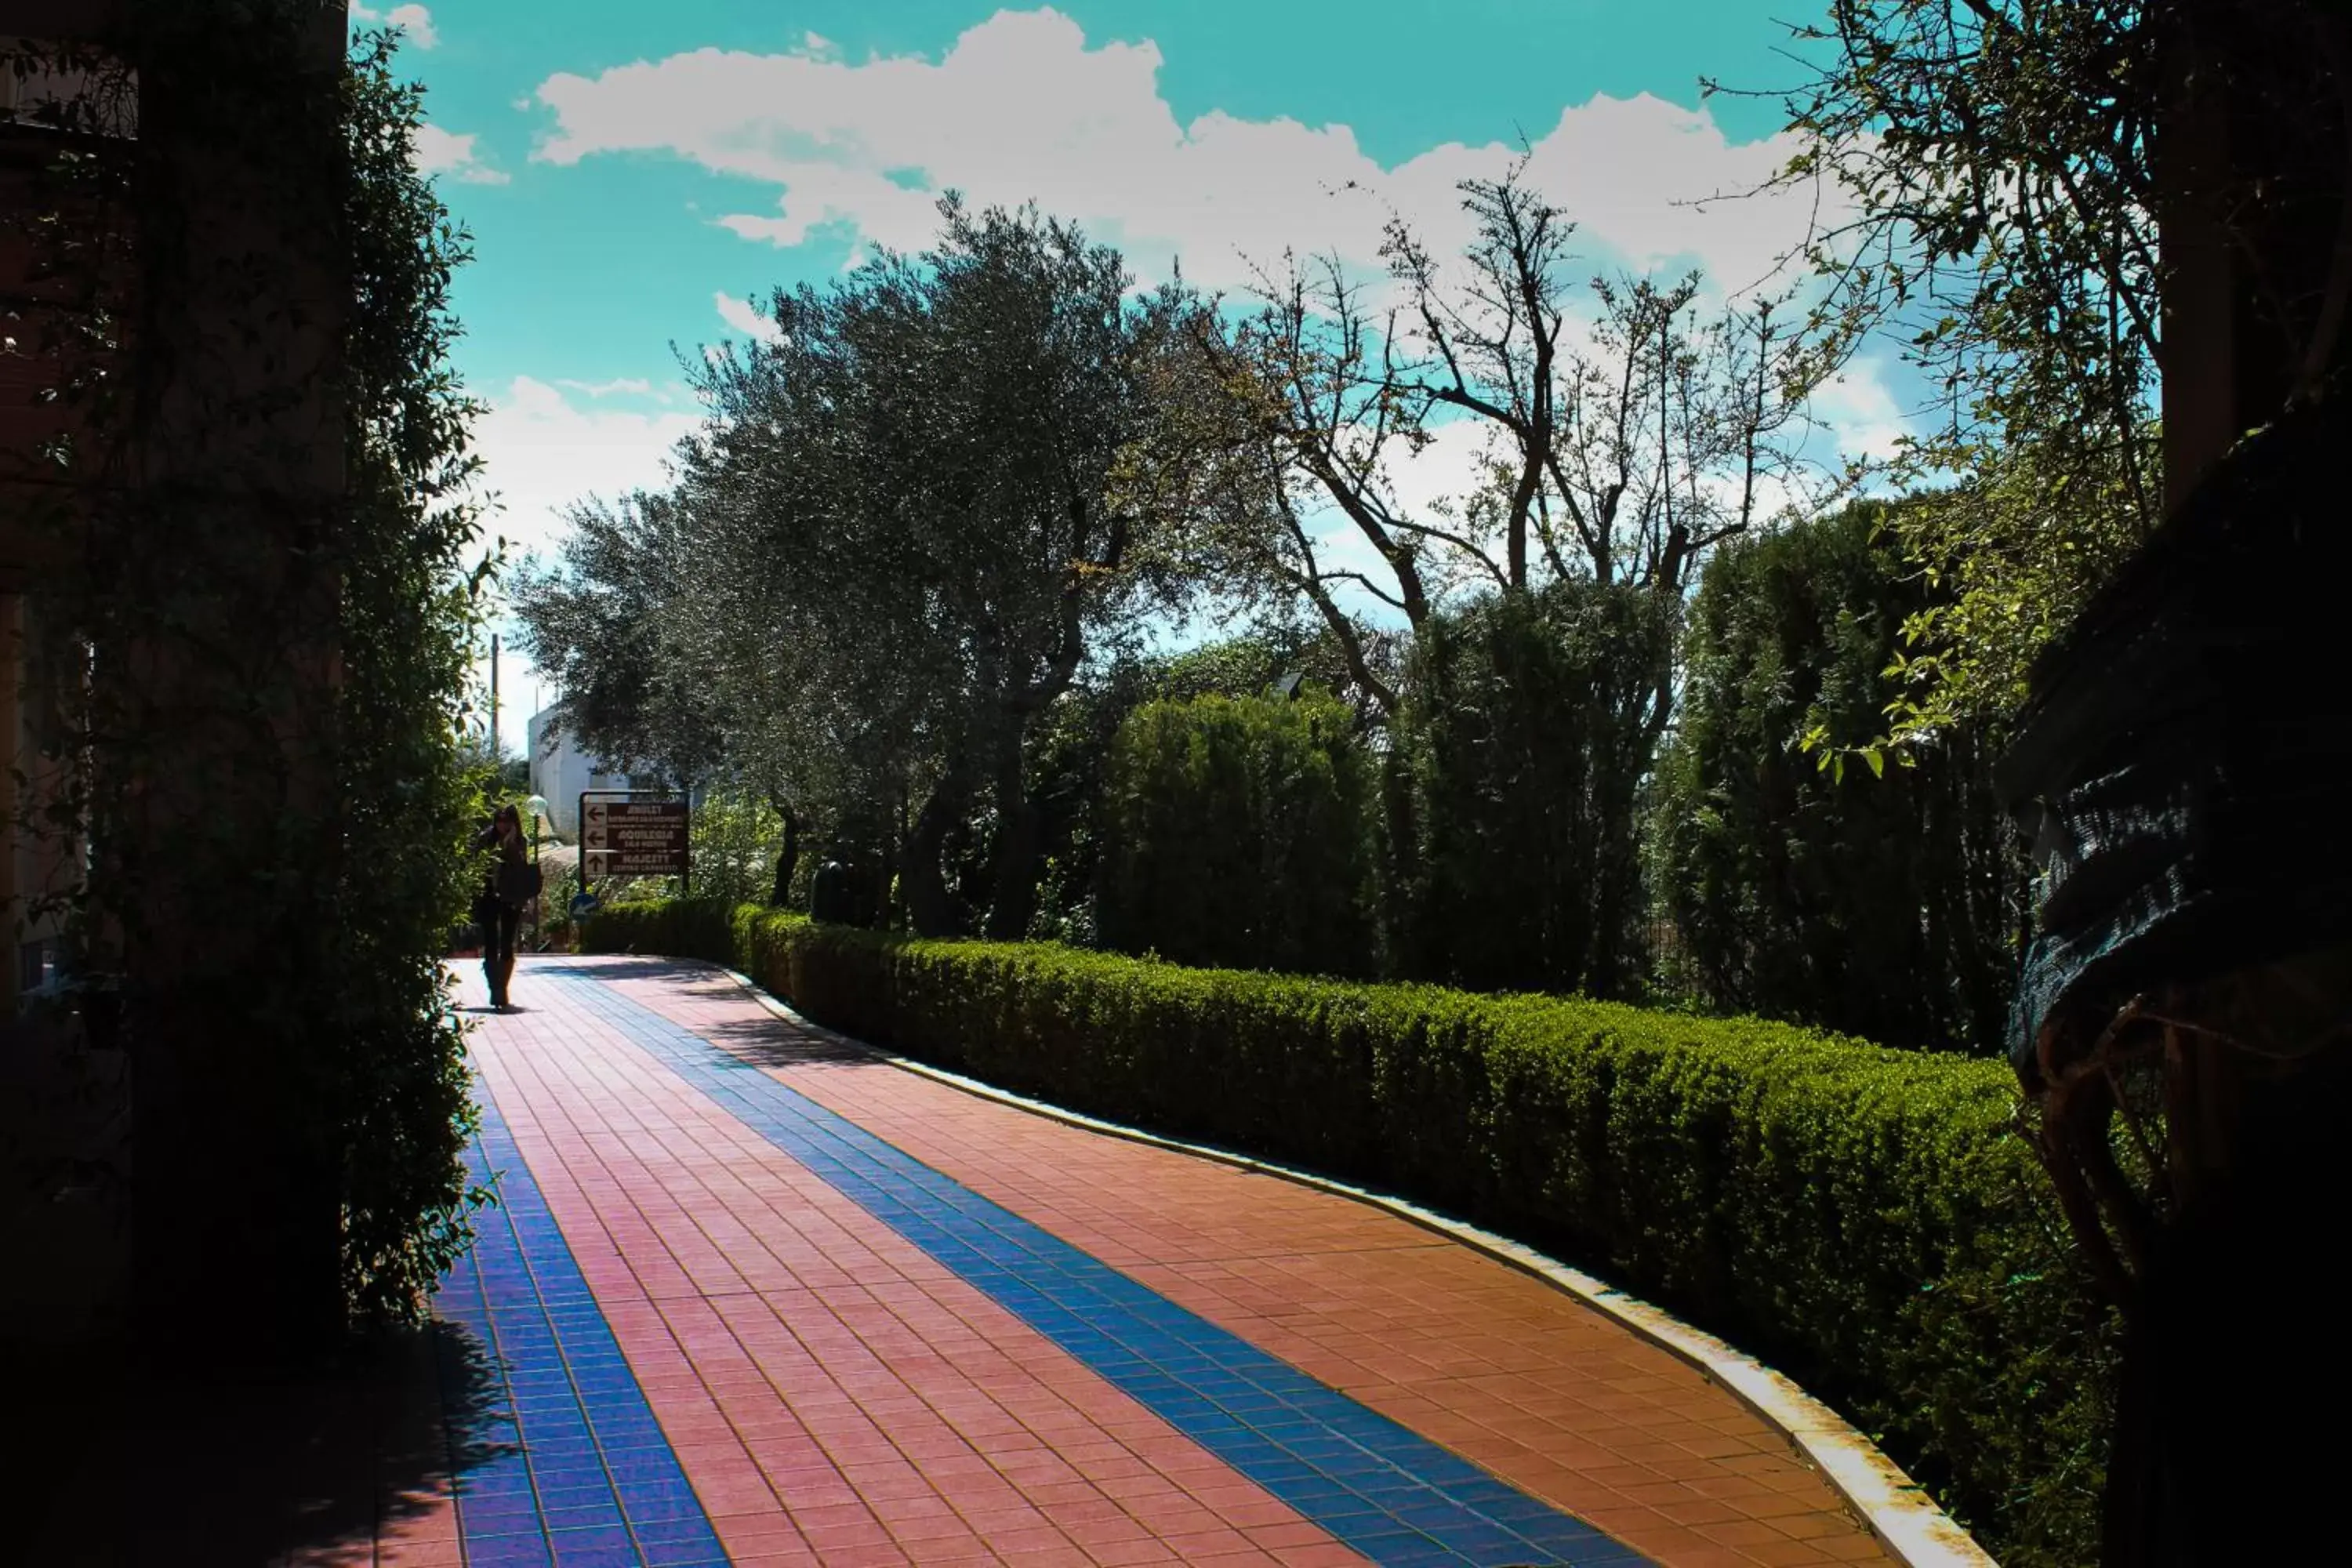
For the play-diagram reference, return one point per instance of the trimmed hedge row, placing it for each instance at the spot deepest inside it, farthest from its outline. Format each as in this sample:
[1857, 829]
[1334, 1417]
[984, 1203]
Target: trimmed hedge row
[1866, 1219]
[1239, 829]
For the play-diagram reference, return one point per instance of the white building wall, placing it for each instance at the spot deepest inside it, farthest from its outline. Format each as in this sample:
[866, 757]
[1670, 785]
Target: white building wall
[561, 772]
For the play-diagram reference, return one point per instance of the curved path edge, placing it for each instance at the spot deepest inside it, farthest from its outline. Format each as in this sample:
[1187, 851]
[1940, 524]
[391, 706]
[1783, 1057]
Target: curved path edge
[1898, 1510]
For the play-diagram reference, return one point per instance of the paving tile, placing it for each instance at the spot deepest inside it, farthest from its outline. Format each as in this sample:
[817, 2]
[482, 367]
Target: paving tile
[858, 1350]
[577, 1458]
[420, 1555]
[903, 1344]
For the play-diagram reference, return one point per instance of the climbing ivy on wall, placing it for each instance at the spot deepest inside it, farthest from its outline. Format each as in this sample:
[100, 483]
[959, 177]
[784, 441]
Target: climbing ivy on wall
[409, 614]
[246, 656]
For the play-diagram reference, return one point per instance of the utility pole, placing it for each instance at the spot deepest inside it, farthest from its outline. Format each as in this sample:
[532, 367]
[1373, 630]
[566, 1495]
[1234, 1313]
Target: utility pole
[498, 754]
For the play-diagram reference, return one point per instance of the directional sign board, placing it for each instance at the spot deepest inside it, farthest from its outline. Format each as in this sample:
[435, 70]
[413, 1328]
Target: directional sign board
[632, 837]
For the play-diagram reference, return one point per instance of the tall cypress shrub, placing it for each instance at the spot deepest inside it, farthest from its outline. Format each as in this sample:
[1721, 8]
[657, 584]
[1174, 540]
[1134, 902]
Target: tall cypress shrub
[1877, 899]
[1527, 734]
[1237, 835]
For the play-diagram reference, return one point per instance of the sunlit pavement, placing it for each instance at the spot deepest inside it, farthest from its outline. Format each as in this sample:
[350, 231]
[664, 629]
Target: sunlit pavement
[753, 1297]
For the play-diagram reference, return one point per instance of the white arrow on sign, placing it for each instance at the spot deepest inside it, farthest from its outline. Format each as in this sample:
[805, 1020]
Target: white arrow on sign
[608, 826]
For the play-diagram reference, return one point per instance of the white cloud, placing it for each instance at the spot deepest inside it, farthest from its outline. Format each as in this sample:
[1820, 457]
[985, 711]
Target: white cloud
[745, 318]
[415, 21]
[1427, 486]
[1860, 409]
[540, 453]
[440, 151]
[625, 385]
[1453, 465]
[1022, 107]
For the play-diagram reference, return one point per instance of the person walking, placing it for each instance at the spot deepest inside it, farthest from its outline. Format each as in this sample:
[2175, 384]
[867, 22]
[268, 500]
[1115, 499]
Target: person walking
[511, 882]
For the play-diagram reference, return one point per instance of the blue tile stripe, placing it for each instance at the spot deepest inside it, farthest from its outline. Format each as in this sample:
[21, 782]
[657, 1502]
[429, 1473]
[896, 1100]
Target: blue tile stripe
[1378, 1487]
[579, 1473]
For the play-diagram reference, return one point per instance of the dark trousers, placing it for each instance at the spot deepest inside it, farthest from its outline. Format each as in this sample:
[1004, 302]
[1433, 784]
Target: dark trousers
[499, 921]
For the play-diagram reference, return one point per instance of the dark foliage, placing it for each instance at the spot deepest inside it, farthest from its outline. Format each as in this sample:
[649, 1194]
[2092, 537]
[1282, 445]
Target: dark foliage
[1525, 734]
[1883, 898]
[1237, 832]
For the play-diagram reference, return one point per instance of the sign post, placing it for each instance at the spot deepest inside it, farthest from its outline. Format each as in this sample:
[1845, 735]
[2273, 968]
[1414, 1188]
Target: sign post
[633, 833]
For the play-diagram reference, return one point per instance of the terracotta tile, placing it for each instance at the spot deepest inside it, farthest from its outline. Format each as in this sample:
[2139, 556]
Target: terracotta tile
[1284, 1536]
[781, 1331]
[420, 1555]
[1744, 1532]
[756, 1532]
[1118, 1554]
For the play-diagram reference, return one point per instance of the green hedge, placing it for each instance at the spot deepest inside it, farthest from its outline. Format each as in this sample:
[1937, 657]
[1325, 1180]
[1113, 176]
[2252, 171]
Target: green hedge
[1238, 830]
[1525, 734]
[1865, 1219]
[1885, 906]
[687, 928]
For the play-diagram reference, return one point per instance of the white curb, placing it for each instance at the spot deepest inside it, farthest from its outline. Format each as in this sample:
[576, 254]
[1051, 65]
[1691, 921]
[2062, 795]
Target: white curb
[1899, 1513]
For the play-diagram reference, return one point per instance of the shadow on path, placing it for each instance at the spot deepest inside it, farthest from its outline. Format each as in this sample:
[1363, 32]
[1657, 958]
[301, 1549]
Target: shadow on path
[624, 966]
[109, 1469]
[766, 1042]
[762, 1041]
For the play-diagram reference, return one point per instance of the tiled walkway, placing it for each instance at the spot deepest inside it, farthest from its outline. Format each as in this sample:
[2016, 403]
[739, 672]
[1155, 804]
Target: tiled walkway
[753, 1298]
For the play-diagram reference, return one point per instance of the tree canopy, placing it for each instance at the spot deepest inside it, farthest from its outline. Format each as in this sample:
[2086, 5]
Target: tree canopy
[1878, 902]
[2007, 167]
[919, 504]
[1623, 428]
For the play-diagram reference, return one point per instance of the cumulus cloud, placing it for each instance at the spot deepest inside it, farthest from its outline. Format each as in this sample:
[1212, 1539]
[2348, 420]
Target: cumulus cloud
[413, 20]
[625, 386]
[1023, 107]
[440, 151]
[744, 317]
[1859, 406]
[541, 452]
[1428, 486]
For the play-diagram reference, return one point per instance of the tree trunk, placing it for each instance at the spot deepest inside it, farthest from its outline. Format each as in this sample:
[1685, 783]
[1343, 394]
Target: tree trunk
[929, 908]
[1013, 901]
[788, 857]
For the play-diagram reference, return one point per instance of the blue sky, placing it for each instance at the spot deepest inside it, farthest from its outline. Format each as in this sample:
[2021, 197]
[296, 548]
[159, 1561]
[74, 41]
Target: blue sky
[634, 174]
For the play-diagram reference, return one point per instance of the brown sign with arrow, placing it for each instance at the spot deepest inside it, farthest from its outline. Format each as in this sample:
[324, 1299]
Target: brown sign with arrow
[632, 837]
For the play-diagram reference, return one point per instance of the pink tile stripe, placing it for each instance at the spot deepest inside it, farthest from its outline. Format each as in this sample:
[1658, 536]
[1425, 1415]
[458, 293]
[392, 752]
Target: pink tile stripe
[834, 1395]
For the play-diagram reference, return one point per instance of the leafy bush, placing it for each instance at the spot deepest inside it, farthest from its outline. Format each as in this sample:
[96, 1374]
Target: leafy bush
[697, 928]
[397, 1105]
[241, 753]
[1238, 831]
[1884, 899]
[1071, 746]
[1865, 1218]
[733, 840]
